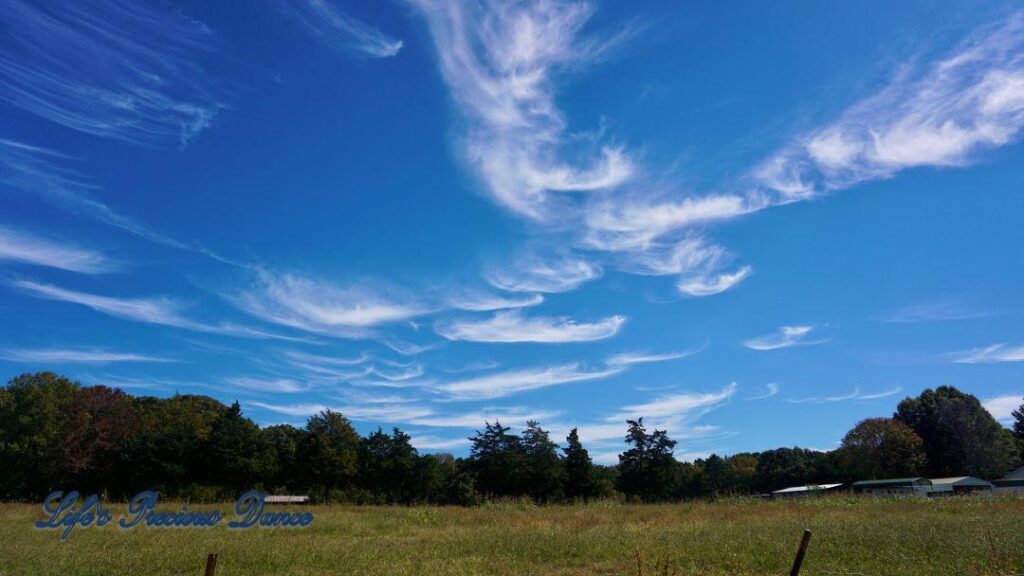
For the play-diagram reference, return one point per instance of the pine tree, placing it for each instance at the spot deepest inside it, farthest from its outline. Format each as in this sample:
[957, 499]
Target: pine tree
[579, 470]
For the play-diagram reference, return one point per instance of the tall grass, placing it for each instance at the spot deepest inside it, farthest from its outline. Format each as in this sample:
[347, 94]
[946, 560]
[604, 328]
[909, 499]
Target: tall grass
[905, 537]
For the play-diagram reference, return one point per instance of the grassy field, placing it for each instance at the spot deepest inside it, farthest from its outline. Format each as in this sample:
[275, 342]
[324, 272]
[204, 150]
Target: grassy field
[737, 537]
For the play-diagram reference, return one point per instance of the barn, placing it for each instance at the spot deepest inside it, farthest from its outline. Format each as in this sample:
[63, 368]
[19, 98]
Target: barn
[1011, 483]
[960, 485]
[893, 487]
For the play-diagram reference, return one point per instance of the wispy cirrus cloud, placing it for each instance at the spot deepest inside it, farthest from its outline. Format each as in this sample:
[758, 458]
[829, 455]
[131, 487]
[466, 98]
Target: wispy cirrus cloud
[112, 68]
[770, 389]
[990, 354]
[476, 301]
[533, 273]
[417, 415]
[75, 356]
[159, 310]
[20, 246]
[709, 284]
[275, 385]
[514, 326]
[630, 358]
[785, 337]
[856, 394]
[1002, 407]
[499, 61]
[325, 21]
[44, 172]
[935, 312]
[688, 404]
[322, 307]
[939, 115]
[501, 384]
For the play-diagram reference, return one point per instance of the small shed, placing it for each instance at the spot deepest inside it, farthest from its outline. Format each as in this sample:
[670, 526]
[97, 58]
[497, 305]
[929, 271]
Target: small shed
[1011, 483]
[809, 490]
[893, 487]
[960, 485]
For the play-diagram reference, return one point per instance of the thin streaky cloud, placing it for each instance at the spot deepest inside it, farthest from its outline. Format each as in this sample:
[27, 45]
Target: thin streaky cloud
[935, 312]
[23, 247]
[990, 354]
[534, 273]
[630, 358]
[475, 301]
[159, 310]
[43, 172]
[114, 69]
[711, 284]
[276, 385]
[784, 337]
[770, 389]
[501, 384]
[75, 356]
[428, 442]
[514, 326]
[335, 29]
[322, 307]
[855, 395]
[414, 415]
[675, 405]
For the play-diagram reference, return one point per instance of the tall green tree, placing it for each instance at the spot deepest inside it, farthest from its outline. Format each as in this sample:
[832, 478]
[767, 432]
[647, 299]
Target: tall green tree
[648, 469]
[546, 471]
[238, 456]
[579, 469]
[329, 453]
[498, 462]
[33, 411]
[391, 469]
[783, 467]
[284, 440]
[960, 437]
[881, 448]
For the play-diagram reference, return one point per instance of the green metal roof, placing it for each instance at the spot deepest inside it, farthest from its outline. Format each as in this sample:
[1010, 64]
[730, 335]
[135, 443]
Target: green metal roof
[892, 482]
[1008, 482]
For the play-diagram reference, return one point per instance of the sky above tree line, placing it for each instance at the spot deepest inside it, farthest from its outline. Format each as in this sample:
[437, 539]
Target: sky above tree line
[753, 225]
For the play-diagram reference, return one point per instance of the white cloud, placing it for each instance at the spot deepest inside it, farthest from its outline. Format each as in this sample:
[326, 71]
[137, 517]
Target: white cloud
[630, 358]
[482, 302]
[1002, 407]
[499, 60]
[416, 415]
[429, 442]
[855, 395]
[532, 273]
[689, 404]
[322, 307]
[19, 246]
[159, 310]
[513, 326]
[939, 115]
[281, 385]
[770, 389]
[337, 30]
[991, 354]
[785, 337]
[934, 312]
[40, 171]
[74, 356]
[711, 284]
[498, 385]
[113, 69]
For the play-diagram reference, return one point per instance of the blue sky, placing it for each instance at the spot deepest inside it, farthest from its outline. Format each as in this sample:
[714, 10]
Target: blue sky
[752, 224]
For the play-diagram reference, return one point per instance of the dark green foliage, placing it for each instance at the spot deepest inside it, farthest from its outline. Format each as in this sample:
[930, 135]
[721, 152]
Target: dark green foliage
[580, 482]
[499, 462]
[960, 437]
[545, 470]
[328, 455]
[784, 467]
[881, 448]
[648, 470]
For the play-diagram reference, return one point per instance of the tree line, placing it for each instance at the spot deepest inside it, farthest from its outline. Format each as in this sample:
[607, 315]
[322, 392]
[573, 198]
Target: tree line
[57, 434]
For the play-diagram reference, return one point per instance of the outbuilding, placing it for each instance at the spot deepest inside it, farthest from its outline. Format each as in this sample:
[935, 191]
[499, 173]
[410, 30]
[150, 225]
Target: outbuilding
[809, 490]
[960, 485]
[1011, 483]
[893, 487]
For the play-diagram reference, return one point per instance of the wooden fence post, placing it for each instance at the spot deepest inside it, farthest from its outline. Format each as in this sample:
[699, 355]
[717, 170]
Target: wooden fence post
[800, 554]
[211, 564]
